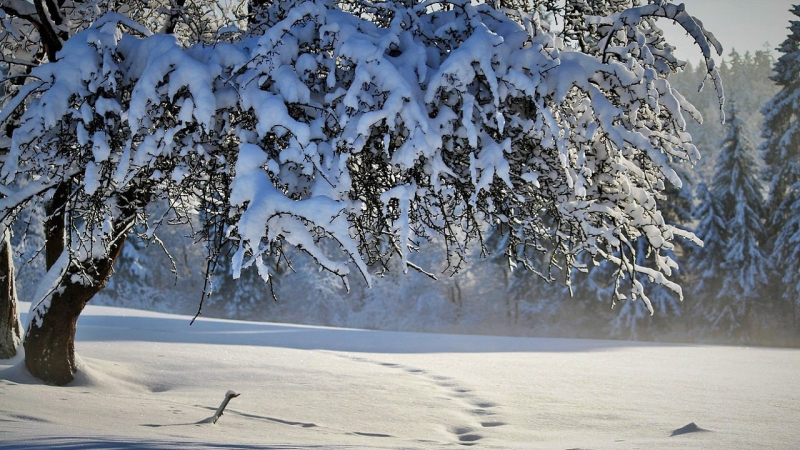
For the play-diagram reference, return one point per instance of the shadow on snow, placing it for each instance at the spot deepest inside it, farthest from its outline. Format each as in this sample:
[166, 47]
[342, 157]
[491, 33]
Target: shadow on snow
[97, 327]
[67, 443]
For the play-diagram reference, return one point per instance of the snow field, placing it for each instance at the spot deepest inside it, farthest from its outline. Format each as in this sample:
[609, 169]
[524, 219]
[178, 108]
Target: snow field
[147, 379]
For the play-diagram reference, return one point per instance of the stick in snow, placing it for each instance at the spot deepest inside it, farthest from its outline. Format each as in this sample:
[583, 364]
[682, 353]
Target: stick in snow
[228, 396]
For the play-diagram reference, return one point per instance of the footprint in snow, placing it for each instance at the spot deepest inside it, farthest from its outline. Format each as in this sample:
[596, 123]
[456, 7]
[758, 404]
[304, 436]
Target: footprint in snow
[466, 435]
[378, 435]
[492, 424]
[479, 408]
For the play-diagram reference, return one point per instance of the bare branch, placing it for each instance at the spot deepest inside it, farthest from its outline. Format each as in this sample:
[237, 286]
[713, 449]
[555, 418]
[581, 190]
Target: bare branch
[19, 8]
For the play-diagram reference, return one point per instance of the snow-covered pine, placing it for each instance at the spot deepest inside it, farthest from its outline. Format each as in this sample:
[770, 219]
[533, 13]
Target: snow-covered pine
[746, 82]
[734, 218]
[738, 172]
[707, 262]
[781, 153]
[781, 144]
[786, 258]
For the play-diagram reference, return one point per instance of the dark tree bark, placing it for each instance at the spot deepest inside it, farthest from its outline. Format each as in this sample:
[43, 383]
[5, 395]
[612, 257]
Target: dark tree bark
[50, 339]
[10, 327]
[50, 342]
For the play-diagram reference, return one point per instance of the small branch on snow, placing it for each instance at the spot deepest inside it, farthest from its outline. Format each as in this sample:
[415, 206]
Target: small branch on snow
[228, 396]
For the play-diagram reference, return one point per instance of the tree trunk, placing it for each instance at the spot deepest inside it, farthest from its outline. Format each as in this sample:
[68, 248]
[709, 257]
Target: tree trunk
[50, 339]
[10, 327]
[50, 342]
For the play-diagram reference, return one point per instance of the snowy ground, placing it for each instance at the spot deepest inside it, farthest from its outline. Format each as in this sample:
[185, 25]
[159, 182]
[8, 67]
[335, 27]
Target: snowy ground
[149, 378]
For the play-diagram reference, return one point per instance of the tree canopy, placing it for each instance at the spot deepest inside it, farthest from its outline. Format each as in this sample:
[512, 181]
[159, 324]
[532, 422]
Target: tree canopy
[352, 131]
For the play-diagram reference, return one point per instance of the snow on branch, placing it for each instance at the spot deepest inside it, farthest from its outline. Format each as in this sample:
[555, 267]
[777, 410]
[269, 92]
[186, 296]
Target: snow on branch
[631, 20]
[18, 8]
[352, 141]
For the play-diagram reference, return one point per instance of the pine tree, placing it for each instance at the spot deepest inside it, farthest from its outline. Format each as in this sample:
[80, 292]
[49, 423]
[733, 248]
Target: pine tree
[133, 278]
[786, 258]
[732, 275]
[746, 262]
[747, 82]
[781, 132]
[781, 153]
[706, 262]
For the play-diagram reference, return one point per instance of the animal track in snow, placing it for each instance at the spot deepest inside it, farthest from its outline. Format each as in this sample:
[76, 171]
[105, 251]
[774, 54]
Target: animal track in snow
[380, 435]
[466, 435]
[453, 391]
[485, 405]
[482, 412]
[492, 424]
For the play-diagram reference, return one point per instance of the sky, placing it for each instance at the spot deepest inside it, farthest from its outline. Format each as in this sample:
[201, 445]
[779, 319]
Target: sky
[744, 25]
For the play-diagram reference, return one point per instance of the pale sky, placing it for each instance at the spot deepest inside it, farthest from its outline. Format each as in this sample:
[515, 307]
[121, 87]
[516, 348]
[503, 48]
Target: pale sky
[741, 24]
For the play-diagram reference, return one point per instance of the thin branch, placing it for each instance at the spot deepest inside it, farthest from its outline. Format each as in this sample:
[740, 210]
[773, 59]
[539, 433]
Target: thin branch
[421, 270]
[47, 30]
[20, 9]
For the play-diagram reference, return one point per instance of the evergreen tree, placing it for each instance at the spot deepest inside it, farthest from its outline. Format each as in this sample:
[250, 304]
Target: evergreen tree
[706, 262]
[746, 262]
[241, 298]
[747, 82]
[786, 258]
[781, 132]
[781, 153]
[732, 275]
[133, 278]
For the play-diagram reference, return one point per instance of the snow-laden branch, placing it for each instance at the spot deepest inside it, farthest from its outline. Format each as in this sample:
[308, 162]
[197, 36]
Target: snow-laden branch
[350, 140]
[630, 21]
[19, 8]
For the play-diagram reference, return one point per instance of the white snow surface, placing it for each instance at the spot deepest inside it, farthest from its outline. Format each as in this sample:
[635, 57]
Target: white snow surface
[148, 380]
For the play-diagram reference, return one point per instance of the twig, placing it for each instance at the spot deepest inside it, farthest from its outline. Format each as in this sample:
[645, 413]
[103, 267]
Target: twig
[228, 396]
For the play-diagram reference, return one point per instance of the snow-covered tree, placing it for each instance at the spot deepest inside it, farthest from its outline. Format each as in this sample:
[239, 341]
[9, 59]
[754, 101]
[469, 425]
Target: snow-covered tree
[781, 153]
[786, 259]
[350, 140]
[34, 32]
[242, 297]
[747, 82]
[781, 144]
[706, 263]
[738, 172]
[733, 298]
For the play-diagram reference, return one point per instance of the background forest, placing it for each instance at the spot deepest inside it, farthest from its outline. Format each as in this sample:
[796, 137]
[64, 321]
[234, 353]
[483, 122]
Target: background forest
[739, 288]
